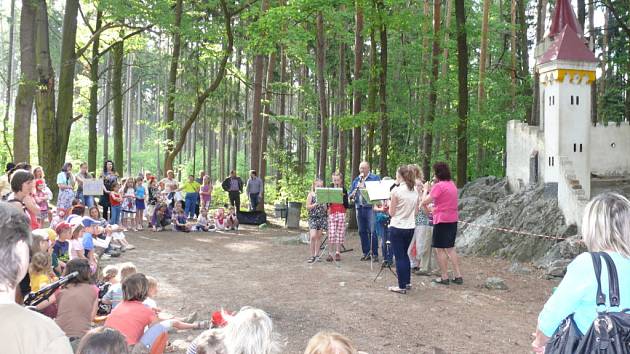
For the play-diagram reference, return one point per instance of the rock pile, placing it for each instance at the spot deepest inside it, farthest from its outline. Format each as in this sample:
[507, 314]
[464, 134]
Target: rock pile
[488, 203]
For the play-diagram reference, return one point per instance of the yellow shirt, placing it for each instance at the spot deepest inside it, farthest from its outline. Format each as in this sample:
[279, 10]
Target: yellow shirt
[191, 187]
[39, 281]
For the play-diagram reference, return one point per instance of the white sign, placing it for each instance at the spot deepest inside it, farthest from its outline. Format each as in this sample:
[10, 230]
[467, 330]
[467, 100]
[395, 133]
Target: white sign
[93, 186]
[379, 190]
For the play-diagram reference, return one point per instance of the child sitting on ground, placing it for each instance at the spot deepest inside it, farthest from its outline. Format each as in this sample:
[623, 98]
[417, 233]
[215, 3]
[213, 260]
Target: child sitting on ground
[61, 247]
[76, 242]
[203, 222]
[131, 317]
[110, 274]
[180, 220]
[76, 302]
[161, 217]
[170, 323]
[114, 295]
[219, 219]
[39, 271]
[231, 220]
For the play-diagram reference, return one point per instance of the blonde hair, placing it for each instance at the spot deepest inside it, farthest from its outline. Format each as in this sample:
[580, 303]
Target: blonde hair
[127, 269]
[329, 343]
[210, 342]
[40, 263]
[408, 176]
[153, 283]
[417, 171]
[110, 272]
[606, 224]
[250, 331]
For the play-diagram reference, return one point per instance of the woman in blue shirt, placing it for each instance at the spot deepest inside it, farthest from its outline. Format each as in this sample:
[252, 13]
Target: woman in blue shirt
[605, 228]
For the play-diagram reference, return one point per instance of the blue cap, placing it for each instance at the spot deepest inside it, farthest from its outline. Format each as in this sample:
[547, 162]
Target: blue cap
[87, 222]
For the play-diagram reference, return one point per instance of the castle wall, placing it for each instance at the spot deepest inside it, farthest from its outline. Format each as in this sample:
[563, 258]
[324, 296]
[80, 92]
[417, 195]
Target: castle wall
[610, 149]
[522, 140]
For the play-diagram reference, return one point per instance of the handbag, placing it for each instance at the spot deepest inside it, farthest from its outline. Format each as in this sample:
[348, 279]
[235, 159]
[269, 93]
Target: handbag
[610, 331]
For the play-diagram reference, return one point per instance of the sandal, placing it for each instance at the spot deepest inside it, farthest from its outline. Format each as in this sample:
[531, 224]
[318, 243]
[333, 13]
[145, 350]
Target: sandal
[329, 258]
[311, 260]
[396, 289]
[441, 281]
[458, 281]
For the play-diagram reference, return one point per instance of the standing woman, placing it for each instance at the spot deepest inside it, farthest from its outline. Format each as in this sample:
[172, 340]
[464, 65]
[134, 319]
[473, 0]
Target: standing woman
[109, 177]
[83, 175]
[443, 195]
[337, 220]
[402, 211]
[23, 185]
[65, 182]
[317, 219]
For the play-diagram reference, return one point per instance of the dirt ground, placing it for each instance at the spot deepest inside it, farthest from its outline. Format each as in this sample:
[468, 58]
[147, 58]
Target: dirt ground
[204, 272]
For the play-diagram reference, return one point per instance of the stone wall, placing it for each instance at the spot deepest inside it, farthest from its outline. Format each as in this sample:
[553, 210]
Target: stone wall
[610, 149]
[522, 141]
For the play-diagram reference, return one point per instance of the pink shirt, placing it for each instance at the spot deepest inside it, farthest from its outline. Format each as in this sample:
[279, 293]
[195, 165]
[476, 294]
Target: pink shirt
[444, 195]
[130, 318]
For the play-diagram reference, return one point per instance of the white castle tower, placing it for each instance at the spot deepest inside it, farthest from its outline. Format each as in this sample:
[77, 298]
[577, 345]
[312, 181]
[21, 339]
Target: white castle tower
[567, 71]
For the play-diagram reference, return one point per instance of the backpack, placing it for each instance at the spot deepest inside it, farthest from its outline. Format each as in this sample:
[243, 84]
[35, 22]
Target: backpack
[609, 333]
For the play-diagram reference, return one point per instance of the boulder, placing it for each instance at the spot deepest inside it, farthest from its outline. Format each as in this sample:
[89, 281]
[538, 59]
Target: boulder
[495, 283]
[518, 268]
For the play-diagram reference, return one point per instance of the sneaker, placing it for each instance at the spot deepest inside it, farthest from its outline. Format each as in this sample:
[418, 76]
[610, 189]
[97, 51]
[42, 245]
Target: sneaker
[422, 273]
[311, 260]
[458, 281]
[415, 269]
[130, 247]
[365, 257]
[329, 258]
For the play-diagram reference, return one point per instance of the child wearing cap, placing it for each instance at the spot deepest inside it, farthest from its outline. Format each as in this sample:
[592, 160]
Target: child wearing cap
[60, 249]
[89, 232]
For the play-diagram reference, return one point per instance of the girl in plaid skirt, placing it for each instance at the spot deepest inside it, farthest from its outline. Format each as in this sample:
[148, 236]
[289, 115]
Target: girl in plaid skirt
[337, 220]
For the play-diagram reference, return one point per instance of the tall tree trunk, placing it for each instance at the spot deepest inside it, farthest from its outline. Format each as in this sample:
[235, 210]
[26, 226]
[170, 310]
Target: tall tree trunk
[117, 92]
[257, 119]
[462, 106]
[372, 93]
[481, 94]
[592, 34]
[320, 50]
[172, 86]
[356, 94]
[9, 79]
[435, 62]
[262, 171]
[283, 110]
[341, 110]
[26, 89]
[128, 113]
[513, 52]
[108, 94]
[222, 137]
[383, 94]
[92, 118]
[426, 55]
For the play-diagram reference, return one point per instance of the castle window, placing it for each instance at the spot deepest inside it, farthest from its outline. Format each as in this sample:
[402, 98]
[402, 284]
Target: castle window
[550, 100]
[553, 100]
[549, 160]
[574, 147]
[571, 100]
[580, 147]
[577, 100]
[553, 161]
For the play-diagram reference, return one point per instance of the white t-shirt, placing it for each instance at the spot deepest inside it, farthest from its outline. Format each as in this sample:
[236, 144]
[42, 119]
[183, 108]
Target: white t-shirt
[405, 213]
[150, 303]
[75, 245]
[24, 332]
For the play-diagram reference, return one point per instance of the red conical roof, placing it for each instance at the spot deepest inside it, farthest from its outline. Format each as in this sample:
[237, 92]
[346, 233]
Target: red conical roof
[568, 46]
[563, 15]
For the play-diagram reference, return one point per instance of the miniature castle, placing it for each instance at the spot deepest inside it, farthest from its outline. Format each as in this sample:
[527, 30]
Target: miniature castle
[573, 158]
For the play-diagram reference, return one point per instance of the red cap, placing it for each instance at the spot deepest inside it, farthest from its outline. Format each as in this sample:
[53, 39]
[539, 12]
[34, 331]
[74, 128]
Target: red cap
[218, 320]
[61, 227]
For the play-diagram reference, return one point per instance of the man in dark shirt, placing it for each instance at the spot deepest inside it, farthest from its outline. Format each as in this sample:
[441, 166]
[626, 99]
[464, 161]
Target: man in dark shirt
[234, 186]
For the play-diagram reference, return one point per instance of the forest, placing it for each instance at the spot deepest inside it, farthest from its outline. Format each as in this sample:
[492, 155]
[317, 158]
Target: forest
[293, 89]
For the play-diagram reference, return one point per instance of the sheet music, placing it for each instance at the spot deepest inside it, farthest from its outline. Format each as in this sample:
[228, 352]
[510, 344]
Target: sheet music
[379, 190]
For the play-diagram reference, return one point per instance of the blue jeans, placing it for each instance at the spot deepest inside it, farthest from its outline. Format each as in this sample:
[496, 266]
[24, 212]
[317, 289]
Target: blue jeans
[114, 218]
[191, 203]
[365, 221]
[86, 200]
[253, 201]
[152, 333]
[401, 239]
[382, 233]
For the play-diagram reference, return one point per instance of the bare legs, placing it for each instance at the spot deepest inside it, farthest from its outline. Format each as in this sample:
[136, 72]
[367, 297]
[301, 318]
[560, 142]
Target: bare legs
[316, 236]
[443, 255]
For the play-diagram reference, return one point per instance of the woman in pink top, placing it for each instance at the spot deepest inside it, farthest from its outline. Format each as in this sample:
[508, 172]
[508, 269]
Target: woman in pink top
[443, 195]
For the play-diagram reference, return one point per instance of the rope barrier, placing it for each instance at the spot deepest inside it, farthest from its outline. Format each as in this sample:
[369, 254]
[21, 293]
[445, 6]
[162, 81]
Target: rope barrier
[558, 238]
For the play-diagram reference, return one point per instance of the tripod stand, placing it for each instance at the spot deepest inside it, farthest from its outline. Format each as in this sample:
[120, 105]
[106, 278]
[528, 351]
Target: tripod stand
[323, 247]
[386, 264]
